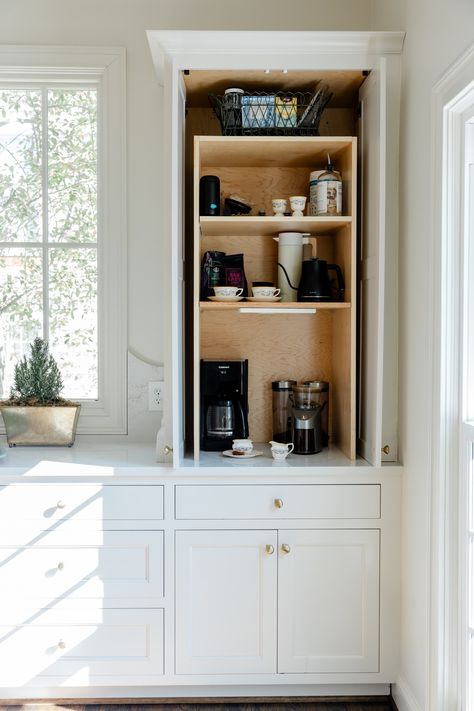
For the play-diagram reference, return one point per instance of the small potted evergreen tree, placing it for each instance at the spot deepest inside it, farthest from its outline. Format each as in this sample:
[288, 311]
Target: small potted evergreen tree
[35, 414]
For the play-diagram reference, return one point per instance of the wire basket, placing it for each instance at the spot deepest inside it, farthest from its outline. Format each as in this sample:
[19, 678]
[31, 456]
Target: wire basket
[278, 113]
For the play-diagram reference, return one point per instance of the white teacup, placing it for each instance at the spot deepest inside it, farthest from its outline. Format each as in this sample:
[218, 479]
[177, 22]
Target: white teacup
[242, 445]
[298, 203]
[279, 206]
[280, 450]
[223, 291]
[265, 291]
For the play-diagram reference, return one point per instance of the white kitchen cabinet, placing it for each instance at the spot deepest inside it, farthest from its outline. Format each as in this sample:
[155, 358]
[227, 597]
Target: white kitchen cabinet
[328, 601]
[230, 602]
[226, 613]
[217, 57]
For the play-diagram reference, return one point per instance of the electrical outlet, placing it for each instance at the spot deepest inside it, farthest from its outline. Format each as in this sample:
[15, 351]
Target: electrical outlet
[155, 395]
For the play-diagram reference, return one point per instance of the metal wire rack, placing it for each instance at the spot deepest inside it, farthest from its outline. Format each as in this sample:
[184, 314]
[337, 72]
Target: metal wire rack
[278, 113]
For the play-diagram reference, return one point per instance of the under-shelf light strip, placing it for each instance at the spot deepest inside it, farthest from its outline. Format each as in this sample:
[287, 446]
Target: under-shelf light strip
[269, 310]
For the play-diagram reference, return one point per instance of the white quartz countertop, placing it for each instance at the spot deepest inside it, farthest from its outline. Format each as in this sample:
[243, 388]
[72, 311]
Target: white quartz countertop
[101, 459]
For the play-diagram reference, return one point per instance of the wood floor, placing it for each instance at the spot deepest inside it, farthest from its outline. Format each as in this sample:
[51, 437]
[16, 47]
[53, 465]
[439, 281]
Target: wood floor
[380, 703]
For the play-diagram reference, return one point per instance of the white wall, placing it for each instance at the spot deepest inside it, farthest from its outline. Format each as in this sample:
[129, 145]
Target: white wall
[437, 33]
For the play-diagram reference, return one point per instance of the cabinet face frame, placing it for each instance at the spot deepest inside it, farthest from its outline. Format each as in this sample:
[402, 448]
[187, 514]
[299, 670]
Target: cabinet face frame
[378, 52]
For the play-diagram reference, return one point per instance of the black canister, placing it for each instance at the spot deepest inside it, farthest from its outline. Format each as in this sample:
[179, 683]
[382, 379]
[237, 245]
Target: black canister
[281, 407]
[209, 196]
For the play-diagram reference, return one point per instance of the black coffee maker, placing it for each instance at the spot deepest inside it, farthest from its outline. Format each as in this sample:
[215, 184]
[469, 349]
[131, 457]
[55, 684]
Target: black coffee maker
[224, 403]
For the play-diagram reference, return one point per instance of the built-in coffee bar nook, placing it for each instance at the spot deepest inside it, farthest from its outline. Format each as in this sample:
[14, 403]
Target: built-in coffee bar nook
[273, 239]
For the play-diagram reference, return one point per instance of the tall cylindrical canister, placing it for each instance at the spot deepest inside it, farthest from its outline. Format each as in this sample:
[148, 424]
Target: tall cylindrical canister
[281, 406]
[209, 196]
[320, 390]
[290, 258]
[313, 184]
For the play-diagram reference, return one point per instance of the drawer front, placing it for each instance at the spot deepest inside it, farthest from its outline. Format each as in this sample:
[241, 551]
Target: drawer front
[98, 565]
[312, 501]
[55, 502]
[74, 648]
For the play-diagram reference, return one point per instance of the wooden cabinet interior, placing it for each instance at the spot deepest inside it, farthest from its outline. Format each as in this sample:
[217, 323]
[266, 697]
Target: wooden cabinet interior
[280, 345]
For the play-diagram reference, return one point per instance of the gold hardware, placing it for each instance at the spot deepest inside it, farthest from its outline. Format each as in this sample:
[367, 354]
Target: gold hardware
[269, 549]
[167, 450]
[285, 548]
[61, 566]
[61, 644]
[60, 505]
[386, 449]
[278, 503]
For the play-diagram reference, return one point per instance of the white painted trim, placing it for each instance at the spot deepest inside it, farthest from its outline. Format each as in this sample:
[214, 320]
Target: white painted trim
[404, 697]
[105, 69]
[443, 644]
[175, 45]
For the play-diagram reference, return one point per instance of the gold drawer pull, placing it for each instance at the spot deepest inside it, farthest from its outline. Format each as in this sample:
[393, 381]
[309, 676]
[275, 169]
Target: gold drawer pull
[167, 449]
[60, 565]
[61, 644]
[386, 449]
[269, 549]
[285, 548]
[278, 503]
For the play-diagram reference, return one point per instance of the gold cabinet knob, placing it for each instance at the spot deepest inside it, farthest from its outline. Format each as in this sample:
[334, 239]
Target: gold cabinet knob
[60, 505]
[285, 548]
[167, 450]
[278, 503]
[269, 549]
[61, 644]
[386, 449]
[60, 565]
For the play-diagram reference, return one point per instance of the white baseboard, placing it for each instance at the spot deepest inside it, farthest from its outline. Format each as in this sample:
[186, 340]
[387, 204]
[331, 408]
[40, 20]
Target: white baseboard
[403, 696]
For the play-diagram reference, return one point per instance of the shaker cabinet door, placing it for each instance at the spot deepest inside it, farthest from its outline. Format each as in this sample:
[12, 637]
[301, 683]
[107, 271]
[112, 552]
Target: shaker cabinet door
[328, 601]
[226, 602]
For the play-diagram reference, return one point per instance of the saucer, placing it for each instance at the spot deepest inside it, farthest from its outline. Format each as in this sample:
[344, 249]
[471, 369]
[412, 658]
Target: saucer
[225, 298]
[246, 455]
[263, 298]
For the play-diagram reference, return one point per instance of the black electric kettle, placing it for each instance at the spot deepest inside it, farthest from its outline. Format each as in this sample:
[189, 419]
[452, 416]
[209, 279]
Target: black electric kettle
[315, 284]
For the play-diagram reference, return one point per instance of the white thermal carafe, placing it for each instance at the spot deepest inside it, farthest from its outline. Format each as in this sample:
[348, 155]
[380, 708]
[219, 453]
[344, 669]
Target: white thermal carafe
[290, 257]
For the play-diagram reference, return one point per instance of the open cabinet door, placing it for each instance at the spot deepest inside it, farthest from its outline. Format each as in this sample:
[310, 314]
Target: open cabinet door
[171, 437]
[371, 262]
[378, 259]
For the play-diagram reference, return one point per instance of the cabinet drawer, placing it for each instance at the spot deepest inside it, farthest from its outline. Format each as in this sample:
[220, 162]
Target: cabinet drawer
[278, 502]
[73, 648]
[94, 565]
[61, 501]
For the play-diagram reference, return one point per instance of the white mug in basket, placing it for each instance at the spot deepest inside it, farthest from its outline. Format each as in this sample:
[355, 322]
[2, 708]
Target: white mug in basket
[280, 450]
[227, 291]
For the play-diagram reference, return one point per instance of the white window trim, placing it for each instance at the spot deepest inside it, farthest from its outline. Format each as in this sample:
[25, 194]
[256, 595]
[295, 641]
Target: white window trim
[447, 656]
[104, 68]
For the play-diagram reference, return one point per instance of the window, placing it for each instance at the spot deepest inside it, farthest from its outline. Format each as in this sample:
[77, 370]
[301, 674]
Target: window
[62, 226]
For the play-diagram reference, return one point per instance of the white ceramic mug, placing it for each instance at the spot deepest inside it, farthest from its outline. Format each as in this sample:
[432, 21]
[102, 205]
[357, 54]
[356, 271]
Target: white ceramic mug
[265, 291]
[242, 445]
[298, 203]
[221, 291]
[280, 450]
[279, 206]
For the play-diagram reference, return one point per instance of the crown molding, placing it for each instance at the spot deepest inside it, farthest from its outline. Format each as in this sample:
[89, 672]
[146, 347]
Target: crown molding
[170, 45]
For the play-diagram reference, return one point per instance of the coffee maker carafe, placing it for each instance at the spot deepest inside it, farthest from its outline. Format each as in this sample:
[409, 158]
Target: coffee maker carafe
[224, 403]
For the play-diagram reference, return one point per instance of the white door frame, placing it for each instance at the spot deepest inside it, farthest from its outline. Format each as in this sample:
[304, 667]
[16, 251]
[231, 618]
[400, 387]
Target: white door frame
[449, 101]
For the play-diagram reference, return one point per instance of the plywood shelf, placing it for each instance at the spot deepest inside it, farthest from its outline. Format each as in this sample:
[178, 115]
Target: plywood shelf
[276, 306]
[254, 226]
[268, 151]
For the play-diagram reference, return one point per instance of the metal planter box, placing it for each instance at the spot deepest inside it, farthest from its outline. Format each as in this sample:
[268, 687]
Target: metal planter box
[43, 426]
